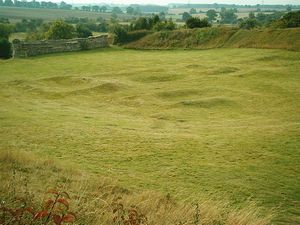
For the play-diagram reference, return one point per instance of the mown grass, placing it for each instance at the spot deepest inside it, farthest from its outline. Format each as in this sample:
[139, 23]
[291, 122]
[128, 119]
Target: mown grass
[220, 123]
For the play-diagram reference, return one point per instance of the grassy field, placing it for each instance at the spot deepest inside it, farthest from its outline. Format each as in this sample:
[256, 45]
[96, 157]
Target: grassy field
[14, 13]
[220, 123]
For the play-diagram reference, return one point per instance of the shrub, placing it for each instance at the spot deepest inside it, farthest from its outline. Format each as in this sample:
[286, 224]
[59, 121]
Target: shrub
[5, 30]
[61, 30]
[83, 31]
[195, 22]
[5, 48]
[289, 20]
[248, 24]
[122, 36]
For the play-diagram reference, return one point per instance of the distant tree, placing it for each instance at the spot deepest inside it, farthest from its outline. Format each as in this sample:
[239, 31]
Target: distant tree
[211, 15]
[1, 2]
[292, 19]
[195, 22]
[65, 6]
[251, 15]
[228, 15]
[186, 16]
[164, 25]
[141, 24]
[86, 8]
[5, 30]
[61, 30]
[8, 3]
[193, 11]
[130, 10]
[120, 34]
[95, 8]
[113, 18]
[155, 19]
[83, 31]
[116, 10]
[289, 8]
[4, 20]
[289, 20]
[162, 15]
[248, 23]
[5, 48]
[103, 9]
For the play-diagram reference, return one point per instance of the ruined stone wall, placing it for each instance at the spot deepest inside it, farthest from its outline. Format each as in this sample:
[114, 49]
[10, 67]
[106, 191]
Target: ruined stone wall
[33, 48]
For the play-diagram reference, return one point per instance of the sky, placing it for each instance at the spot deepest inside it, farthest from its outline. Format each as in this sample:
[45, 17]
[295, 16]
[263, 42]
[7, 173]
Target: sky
[165, 2]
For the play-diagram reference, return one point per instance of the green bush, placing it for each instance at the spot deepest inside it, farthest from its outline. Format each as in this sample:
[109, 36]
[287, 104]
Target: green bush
[289, 20]
[5, 30]
[122, 36]
[195, 22]
[5, 48]
[83, 31]
[61, 30]
[249, 24]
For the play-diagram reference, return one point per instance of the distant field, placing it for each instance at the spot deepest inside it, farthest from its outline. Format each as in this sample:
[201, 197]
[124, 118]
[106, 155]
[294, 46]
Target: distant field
[222, 123]
[51, 14]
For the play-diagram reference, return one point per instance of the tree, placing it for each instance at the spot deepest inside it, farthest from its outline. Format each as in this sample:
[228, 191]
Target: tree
[60, 30]
[186, 16]
[120, 34]
[289, 20]
[251, 15]
[228, 15]
[64, 5]
[116, 10]
[249, 23]
[195, 22]
[193, 11]
[162, 15]
[5, 30]
[5, 48]
[83, 31]
[95, 8]
[211, 15]
[1, 2]
[130, 10]
[141, 24]
[8, 3]
[103, 9]
[164, 25]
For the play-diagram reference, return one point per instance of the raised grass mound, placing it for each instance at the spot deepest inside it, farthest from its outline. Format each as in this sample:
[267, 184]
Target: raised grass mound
[218, 37]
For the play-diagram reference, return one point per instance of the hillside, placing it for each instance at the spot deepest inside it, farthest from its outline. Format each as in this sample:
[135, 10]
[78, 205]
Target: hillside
[221, 124]
[217, 37]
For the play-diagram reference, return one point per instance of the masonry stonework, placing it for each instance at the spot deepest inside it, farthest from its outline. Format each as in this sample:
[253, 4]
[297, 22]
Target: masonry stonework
[23, 49]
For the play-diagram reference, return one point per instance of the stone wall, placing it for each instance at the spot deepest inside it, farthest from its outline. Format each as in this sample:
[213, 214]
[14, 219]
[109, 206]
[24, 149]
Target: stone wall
[32, 48]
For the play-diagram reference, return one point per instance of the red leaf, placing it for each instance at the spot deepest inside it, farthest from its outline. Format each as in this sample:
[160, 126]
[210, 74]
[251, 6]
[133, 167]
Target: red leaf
[30, 210]
[57, 219]
[69, 218]
[41, 214]
[63, 201]
[48, 204]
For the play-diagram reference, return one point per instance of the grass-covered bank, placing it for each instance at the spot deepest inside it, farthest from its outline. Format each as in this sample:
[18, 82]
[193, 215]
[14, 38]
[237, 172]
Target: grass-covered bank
[207, 38]
[26, 180]
[222, 123]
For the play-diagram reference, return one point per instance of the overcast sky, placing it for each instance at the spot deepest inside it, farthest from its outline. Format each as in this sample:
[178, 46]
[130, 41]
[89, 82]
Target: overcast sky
[164, 2]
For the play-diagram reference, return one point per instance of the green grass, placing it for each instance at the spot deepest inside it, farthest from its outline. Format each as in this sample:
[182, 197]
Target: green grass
[222, 123]
[14, 13]
[218, 37]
